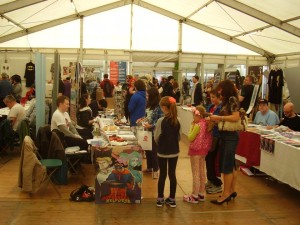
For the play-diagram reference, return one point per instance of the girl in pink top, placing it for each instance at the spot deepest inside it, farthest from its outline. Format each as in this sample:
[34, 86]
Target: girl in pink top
[200, 137]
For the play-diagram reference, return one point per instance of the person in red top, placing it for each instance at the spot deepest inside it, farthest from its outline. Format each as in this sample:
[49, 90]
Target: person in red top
[30, 93]
[107, 87]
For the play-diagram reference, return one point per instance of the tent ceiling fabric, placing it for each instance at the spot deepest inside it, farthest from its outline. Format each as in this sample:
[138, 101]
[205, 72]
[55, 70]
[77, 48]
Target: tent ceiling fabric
[242, 27]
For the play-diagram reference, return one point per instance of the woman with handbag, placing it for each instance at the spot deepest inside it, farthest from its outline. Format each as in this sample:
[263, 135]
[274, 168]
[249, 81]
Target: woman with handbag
[228, 120]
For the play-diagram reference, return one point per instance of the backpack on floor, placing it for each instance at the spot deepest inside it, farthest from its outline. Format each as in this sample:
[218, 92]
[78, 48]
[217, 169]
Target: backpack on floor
[83, 194]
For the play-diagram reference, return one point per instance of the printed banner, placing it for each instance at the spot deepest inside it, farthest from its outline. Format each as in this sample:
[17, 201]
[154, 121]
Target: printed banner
[119, 175]
[114, 72]
[118, 71]
[122, 72]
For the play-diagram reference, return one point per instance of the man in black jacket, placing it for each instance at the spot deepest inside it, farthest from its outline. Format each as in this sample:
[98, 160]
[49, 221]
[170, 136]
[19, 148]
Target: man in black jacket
[196, 92]
[246, 93]
[290, 119]
[168, 87]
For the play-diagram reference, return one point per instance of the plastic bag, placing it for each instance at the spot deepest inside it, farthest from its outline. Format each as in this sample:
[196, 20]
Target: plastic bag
[145, 139]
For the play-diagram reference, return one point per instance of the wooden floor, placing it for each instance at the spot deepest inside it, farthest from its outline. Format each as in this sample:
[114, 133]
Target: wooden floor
[260, 201]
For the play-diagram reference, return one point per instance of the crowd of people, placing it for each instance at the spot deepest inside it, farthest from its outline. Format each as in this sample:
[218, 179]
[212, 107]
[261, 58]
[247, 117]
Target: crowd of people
[154, 106]
[10, 86]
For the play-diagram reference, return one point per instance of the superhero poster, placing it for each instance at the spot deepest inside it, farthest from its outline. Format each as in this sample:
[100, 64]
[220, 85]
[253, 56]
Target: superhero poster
[119, 176]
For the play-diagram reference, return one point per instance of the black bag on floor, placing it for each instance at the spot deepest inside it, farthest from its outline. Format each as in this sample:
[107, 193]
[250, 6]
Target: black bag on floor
[83, 194]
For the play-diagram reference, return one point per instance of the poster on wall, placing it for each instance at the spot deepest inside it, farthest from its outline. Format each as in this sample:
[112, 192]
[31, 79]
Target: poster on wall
[114, 71]
[122, 72]
[256, 72]
[253, 98]
[65, 71]
[69, 71]
[118, 71]
[119, 175]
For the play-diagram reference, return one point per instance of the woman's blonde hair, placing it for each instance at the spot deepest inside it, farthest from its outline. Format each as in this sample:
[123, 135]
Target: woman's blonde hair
[202, 111]
[170, 104]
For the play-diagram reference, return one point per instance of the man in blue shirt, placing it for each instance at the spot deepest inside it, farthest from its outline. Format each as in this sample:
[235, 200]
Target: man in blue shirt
[5, 88]
[265, 116]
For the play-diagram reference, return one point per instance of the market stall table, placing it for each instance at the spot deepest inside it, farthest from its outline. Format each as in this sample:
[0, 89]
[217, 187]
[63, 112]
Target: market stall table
[249, 148]
[118, 163]
[283, 164]
[4, 111]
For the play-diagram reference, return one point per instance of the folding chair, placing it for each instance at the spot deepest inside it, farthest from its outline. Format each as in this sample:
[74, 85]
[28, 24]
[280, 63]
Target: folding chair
[11, 138]
[52, 165]
[7, 138]
[74, 157]
[57, 151]
[23, 130]
[37, 170]
[50, 147]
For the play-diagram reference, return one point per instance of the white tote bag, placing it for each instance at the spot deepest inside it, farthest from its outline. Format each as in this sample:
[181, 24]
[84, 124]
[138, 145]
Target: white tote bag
[144, 139]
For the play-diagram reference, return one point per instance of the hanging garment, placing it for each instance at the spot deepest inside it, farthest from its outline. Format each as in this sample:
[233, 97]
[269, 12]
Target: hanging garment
[5, 68]
[29, 74]
[275, 84]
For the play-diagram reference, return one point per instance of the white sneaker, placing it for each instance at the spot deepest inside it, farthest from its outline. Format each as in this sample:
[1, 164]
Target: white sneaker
[155, 175]
[214, 190]
[208, 185]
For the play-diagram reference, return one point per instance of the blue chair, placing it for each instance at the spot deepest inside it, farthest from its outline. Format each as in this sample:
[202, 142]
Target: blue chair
[33, 172]
[52, 166]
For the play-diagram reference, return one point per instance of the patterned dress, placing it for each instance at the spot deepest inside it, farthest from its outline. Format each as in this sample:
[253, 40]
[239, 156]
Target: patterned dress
[202, 143]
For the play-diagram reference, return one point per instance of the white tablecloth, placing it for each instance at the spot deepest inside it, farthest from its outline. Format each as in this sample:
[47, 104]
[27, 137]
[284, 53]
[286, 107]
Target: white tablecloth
[5, 111]
[283, 164]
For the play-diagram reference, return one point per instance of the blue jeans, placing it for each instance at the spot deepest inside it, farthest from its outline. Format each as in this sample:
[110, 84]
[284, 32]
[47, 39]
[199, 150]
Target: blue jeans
[229, 142]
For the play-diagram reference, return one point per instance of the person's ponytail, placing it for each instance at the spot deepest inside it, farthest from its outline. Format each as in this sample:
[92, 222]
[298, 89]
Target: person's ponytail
[170, 103]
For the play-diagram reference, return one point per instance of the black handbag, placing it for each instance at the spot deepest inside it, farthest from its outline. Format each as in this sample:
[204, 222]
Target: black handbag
[83, 194]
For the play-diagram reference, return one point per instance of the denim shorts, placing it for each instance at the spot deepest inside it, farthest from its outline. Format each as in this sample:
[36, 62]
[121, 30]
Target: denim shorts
[229, 141]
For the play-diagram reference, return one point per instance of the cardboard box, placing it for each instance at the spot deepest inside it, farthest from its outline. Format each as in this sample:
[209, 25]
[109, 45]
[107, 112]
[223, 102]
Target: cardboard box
[110, 103]
[99, 94]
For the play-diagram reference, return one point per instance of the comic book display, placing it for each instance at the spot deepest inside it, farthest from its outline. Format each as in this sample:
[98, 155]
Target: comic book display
[119, 175]
[118, 163]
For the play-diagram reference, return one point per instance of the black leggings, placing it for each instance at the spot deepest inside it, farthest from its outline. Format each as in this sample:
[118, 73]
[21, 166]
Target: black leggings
[76, 142]
[211, 163]
[171, 171]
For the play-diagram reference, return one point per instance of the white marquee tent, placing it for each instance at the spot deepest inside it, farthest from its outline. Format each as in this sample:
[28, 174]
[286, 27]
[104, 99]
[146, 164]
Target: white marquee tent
[151, 32]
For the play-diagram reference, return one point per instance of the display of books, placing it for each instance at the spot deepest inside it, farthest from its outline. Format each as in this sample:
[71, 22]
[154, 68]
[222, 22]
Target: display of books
[119, 176]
